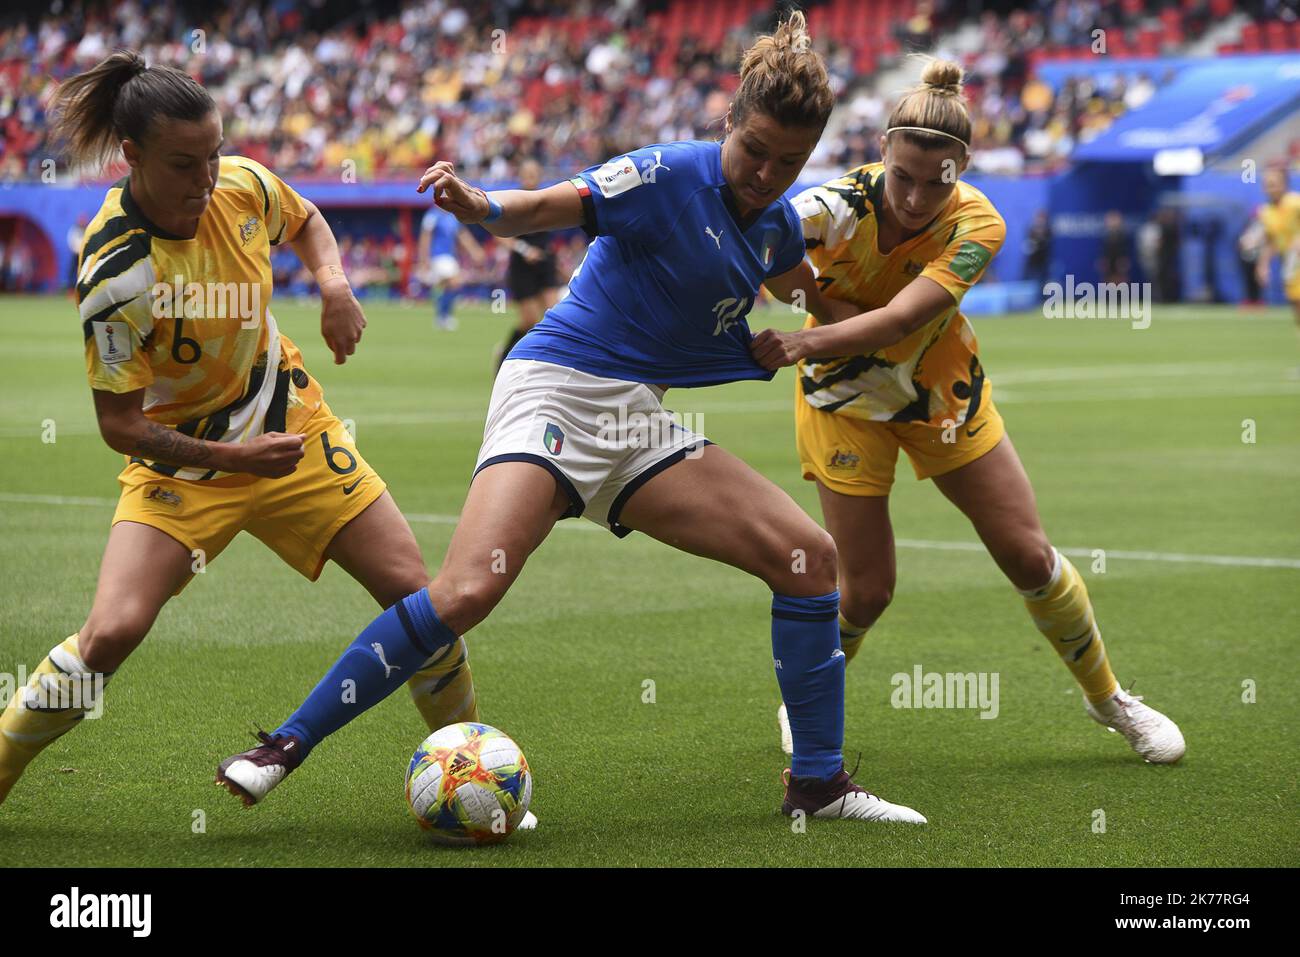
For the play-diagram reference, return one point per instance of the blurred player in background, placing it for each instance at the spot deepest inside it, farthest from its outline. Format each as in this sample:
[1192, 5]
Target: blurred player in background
[440, 237]
[684, 234]
[534, 284]
[224, 429]
[1280, 217]
[901, 242]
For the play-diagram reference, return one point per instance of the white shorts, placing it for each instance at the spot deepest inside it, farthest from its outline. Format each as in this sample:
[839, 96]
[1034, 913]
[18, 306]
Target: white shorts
[601, 438]
[443, 268]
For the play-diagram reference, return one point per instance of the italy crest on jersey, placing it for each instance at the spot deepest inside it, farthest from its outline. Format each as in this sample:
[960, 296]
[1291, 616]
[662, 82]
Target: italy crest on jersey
[768, 249]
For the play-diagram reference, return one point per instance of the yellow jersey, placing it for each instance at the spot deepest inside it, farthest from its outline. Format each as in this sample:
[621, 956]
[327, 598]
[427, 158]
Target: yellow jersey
[934, 374]
[189, 320]
[1281, 222]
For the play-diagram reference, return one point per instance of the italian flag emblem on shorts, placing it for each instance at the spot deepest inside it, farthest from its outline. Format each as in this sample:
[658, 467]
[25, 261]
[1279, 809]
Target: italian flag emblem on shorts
[553, 439]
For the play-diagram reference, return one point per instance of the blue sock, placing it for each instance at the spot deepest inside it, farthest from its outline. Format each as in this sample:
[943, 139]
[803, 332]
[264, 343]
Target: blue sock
[810, 671]
[391, 649]
[445, 300]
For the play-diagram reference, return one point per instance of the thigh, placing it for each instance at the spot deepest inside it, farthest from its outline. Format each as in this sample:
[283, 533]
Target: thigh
[379, 550]
[716, 506]
[142, 567]
[994, 493]
[864, 541]
[510, 509]
[530, 311]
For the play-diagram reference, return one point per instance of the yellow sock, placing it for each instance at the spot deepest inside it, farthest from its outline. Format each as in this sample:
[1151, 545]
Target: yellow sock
[1063, 613]
[443, 689]
[60, 693]
[850, 638]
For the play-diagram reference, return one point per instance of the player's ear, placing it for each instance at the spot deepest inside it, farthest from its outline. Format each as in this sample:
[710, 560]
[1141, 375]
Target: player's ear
[726, 121]
[884, 146]
[132, 153]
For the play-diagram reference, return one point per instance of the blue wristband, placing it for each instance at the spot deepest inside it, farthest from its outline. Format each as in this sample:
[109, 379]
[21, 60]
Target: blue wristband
[494, 209]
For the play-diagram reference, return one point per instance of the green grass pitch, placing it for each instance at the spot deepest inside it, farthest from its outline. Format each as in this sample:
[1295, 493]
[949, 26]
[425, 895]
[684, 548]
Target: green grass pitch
[1135, 442]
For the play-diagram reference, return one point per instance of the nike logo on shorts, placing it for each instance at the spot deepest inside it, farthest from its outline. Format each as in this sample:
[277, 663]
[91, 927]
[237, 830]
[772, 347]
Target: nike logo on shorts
[970, 434]
[348, 489]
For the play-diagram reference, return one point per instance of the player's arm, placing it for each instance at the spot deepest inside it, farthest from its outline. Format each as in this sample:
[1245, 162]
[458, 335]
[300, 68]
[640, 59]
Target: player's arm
[126, 429]
[798, 286]
[426, 243]
[341, 318]
[467, 242]
[920, 301]
[513, 212]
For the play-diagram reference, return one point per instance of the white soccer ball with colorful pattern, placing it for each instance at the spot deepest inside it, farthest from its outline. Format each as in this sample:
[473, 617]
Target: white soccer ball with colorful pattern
[469, 784]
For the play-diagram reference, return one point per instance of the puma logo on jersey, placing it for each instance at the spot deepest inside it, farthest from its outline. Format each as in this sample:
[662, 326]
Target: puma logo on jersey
[648, 167]
[388, 669]
[717, 239]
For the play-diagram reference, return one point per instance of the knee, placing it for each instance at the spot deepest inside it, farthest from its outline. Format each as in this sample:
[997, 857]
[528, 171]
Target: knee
[462, 603]
[106, 642]
[806, 568]
[863, 602]
[1031, 566]
[405, 581]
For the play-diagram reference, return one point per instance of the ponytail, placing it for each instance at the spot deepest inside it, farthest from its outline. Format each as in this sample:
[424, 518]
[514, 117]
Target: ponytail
[119, 99]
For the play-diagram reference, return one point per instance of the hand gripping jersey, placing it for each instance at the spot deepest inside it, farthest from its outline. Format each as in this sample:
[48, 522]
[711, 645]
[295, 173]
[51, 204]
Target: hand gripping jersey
[934, 374]
[188, 320]
[663, 292]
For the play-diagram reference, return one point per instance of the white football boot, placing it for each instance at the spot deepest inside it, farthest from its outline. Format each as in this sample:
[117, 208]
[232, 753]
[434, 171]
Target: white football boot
[1151, 734]
[529, 822]
[250, 776]
[839, 797]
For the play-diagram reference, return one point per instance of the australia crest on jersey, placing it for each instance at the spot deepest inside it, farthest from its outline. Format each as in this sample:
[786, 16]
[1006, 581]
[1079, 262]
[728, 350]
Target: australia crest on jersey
[248, 229]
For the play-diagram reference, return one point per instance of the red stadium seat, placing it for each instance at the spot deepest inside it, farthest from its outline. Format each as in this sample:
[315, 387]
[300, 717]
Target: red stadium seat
[864, 61]
[1251, 39]
[1171, 24]
[1277, 36]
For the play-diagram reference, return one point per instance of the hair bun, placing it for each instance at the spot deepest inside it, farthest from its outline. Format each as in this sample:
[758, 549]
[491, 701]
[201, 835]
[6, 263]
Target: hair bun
[943, 76]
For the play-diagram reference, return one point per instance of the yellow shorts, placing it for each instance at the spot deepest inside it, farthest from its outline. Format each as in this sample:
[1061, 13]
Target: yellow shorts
[857, 456]
[1292, 287]
[296, 516]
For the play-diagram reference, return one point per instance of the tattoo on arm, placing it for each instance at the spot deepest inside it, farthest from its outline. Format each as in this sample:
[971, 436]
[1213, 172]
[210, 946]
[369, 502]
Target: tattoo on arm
[174, 448]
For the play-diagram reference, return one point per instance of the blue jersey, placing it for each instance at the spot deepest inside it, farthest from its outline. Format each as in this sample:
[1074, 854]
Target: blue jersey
[445, 226]
[663, 291]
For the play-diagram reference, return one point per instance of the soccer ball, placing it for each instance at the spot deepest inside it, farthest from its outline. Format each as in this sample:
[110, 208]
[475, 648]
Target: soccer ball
[468, 784]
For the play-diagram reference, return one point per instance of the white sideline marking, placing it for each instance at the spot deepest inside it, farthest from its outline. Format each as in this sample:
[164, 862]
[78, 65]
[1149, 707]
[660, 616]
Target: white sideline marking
[429, 518]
